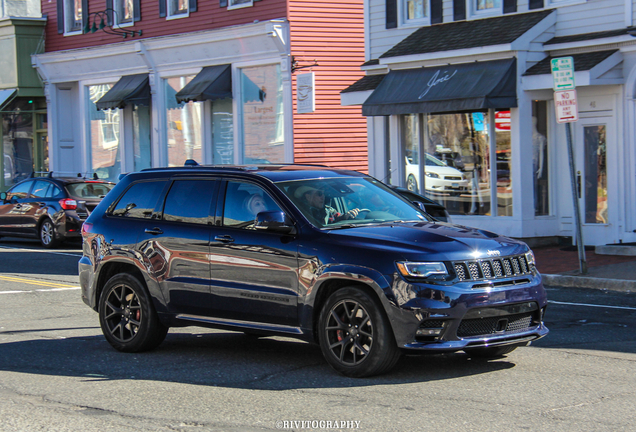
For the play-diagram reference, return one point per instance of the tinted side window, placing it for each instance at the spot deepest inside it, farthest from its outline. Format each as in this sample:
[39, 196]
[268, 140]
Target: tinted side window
[20, 190]
[139, 200]
[40, 189]
[243, 201]
[189, 201]
[54, 192]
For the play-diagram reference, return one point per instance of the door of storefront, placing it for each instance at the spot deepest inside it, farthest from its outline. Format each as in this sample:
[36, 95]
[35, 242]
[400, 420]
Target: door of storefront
[596, 179]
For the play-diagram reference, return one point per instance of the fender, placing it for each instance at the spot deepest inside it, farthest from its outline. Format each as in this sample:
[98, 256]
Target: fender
[116, 257]
[346, 274]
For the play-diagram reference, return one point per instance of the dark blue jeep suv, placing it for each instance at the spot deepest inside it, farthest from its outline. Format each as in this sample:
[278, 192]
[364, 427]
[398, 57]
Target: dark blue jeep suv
[324, 255]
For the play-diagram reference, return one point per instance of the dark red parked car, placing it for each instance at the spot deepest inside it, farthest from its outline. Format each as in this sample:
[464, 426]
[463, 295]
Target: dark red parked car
[51, 209]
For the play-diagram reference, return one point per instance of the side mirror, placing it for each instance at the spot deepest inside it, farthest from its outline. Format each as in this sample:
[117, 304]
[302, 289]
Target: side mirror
[421, 205]
[3, 196]
[275, 221]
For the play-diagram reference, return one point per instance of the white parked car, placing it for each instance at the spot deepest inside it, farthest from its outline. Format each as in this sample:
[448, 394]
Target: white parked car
[439, 176]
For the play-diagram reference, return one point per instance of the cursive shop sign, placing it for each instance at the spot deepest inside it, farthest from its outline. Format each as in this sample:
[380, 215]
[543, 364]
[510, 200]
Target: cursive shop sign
[436, 79]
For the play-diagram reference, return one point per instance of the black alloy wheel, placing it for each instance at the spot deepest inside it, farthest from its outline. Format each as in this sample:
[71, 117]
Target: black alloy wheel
[355, 337]
[48, 238]
[127, 317]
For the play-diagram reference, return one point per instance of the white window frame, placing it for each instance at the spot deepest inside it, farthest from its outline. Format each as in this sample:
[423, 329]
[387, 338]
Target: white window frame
[118, 6]
[170, 14]
[405, 22]
[238, 4]
[69, 13]
[474, 13]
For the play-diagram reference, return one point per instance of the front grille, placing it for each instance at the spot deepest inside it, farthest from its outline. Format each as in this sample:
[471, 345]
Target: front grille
[453, 178]
[495, 325]
[432, 324]
[492, 268]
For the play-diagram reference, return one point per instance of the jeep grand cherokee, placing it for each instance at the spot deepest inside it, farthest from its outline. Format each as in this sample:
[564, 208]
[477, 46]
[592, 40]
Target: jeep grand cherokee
[324, 255]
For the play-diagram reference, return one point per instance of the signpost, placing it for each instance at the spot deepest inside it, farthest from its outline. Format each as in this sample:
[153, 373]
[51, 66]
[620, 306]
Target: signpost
[566, 112]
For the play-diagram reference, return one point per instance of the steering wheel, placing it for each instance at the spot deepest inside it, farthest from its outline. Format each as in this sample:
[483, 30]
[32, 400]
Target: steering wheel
[360, 211]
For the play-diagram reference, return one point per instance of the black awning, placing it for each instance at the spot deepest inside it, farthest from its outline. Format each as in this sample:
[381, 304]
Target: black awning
[213, 82]
[130, 89]
[452, 88]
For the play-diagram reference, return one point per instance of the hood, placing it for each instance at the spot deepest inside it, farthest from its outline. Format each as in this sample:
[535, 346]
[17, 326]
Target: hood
[430, 241]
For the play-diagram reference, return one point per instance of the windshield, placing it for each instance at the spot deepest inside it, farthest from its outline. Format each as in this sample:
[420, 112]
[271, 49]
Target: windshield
[89, 189]
[349, 202]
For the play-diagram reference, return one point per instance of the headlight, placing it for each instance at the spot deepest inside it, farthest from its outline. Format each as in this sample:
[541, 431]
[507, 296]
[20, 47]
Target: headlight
[530, 258]
[422, 269]
[431, 174]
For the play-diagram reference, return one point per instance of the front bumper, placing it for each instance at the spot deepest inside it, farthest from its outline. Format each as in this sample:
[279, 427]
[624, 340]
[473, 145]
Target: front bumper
[447, 318]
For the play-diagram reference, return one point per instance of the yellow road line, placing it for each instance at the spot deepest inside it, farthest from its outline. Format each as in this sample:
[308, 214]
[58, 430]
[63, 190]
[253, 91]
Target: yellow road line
[36, 282]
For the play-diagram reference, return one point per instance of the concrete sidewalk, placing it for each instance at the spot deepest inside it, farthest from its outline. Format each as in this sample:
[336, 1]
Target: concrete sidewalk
[559, 266]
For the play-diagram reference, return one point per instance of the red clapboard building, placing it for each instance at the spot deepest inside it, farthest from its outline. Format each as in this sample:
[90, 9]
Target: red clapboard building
[132, 84]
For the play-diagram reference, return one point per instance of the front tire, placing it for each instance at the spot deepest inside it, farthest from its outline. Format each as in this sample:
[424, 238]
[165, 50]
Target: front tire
[48, 237]
[127, 317]
[355, 336]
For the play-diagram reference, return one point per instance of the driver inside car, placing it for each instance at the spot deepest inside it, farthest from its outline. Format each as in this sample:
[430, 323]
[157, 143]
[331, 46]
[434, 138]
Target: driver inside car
[314, 200]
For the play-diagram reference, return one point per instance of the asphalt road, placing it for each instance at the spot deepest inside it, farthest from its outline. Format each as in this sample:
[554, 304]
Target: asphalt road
[57, 373]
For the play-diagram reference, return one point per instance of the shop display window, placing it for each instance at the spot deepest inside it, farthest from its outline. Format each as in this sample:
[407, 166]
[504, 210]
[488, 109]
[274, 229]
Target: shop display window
[141, 137]
[17, 147]
[105, 135]
[184, 124]
[262, 111]
[456, 154]
[540, 158]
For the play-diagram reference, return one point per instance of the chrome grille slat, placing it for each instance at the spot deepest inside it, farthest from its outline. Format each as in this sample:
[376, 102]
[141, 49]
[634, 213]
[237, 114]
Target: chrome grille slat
[491, 269]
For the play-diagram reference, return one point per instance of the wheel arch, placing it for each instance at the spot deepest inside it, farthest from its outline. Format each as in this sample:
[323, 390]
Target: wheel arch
[336, 278]
[113, 268]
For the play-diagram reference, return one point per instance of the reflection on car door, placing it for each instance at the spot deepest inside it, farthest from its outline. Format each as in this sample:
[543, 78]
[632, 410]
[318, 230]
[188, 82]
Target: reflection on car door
[253, 272]
[12, 209]
[175, 245]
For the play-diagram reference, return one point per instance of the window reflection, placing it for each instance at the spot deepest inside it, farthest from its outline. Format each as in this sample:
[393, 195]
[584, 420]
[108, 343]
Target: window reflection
[184, 124]
[104, 136]
[263, 114]
[595, 181]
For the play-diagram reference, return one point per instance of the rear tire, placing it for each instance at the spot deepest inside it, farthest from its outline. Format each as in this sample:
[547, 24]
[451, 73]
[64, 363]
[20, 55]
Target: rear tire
[355, 336]
[491, 352]
[127, 317]
[48, 237]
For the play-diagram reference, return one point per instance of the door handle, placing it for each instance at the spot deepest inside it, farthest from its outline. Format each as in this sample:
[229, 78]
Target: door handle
[578, 183]
[154, 231]
[224, 238]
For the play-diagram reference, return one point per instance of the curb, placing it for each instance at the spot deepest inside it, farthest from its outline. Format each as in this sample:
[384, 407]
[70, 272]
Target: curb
[589, 282]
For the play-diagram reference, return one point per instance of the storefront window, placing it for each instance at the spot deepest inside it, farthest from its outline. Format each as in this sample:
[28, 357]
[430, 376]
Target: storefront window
[104, 136]
[263, 114]
[504, 168]
[461, 143]
[141, 137]
[185, 124]
[595, 175]
[223, 131]
[411, 150]
[540, 158]
[17, 145]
